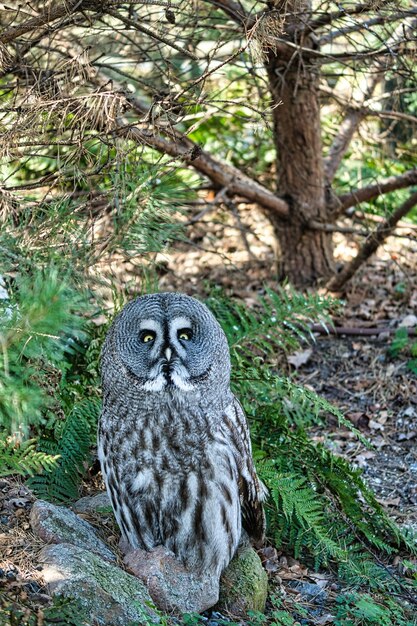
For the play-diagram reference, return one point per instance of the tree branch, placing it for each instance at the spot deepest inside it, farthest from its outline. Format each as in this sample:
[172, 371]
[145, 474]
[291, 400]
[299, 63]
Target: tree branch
[370, 192]
[220, 173]
[328, 18]
[180, 146]
[356, 114]
[373, 241]
[49, 14]
[365, 25]
[348, 127]
[235, 11]
[135, 25]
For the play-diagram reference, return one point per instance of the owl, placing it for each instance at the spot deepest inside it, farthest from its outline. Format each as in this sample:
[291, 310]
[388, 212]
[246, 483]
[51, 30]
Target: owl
[173, 440]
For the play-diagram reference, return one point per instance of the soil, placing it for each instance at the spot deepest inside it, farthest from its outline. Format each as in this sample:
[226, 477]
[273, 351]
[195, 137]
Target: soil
[376, 389]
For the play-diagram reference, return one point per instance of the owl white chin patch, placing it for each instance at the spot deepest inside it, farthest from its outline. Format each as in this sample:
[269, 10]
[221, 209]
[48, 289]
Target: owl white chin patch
[182, 384]
[155, 384]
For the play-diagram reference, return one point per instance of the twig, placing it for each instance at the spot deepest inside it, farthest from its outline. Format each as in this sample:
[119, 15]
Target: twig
[48, 15]
[373, 191]
[357, 330]
[371, 244]
[233, 208]
[143, 29]
[377, 218]
[350, 230]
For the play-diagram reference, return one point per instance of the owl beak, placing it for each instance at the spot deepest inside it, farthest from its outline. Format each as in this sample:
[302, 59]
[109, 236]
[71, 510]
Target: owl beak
[168, 354]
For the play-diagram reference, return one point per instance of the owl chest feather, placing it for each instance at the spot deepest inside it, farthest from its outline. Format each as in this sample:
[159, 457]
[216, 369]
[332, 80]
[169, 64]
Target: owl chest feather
[176, 486]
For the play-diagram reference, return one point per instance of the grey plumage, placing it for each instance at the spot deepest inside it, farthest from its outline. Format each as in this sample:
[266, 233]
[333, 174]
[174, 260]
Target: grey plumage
[174, 444]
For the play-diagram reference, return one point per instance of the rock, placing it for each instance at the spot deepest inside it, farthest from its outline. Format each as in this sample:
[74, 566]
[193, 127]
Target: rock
[99, 503]
[173, 588]
[310, 591]
[243, 584]
[109, 595]
[57, 524]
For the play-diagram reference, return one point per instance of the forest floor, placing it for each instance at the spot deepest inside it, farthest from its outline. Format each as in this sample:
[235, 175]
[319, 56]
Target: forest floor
[370, 377]
[364, 375]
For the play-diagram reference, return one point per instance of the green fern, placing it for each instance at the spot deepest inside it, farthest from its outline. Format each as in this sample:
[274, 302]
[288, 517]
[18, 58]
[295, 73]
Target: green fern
[361, 609]
[74, 450]
[319, 504]
[299, 518]
[23, 458]
[280, 319]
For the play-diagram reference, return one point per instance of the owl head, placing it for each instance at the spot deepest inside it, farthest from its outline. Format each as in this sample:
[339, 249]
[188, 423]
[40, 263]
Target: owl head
[166, 342]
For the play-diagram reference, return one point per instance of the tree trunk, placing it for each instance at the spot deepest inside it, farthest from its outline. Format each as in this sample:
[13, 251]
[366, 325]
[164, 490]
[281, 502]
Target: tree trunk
[306, 254]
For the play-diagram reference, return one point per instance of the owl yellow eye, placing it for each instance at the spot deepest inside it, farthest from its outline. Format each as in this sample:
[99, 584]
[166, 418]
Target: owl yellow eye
[185, 334]
[148, 336]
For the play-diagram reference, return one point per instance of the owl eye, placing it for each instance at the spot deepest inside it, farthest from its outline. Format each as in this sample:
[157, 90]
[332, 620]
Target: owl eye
[185, 334]
[147, 336]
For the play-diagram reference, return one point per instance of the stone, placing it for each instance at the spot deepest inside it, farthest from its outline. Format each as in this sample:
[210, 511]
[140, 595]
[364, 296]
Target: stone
[173, 588]
[57, 524]
[309, 591]
[99, 503]
[243, 584]
[109, 595]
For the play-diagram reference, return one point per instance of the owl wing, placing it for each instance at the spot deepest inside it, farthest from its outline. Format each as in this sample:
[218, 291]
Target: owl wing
[251, 489]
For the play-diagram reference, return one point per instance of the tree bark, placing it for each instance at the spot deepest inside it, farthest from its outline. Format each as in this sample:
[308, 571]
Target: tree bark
[306, 254]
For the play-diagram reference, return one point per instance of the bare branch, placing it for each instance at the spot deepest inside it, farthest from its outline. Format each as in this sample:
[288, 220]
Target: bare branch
[235, 11]
[348, 127]
[180, 146]
[135, 25]
[373, 191]
[46, 17]
[365, 25]
[220, 173]
[373, 241]
[350, 230]
[356, 114]
[355, 9]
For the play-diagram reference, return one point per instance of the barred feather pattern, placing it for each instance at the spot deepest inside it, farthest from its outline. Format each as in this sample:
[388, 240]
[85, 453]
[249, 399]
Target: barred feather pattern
[174, 444]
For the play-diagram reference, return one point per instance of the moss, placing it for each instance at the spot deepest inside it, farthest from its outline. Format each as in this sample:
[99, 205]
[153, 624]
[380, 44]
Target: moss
[244, 584]
[109, 594]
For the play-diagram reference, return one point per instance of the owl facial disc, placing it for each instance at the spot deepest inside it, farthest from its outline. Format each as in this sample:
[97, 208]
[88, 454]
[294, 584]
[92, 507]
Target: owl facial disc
[167, 348]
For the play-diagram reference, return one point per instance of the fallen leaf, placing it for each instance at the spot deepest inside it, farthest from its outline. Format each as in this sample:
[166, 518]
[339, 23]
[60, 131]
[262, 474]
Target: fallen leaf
[406, 436]
[300, 357]
[324, 619]
[363, 458]
[389, 501]
[409, 321]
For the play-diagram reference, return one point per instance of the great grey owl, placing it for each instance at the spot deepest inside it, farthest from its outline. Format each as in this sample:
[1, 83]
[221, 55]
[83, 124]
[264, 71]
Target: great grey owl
[173, 440]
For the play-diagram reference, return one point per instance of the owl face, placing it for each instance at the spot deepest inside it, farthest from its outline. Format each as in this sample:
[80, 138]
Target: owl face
[171, 342]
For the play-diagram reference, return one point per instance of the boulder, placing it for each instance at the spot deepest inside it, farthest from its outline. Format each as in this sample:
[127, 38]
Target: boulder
[243, 584]
[57, 524]
[110, 595]
[173, 588]
[99, 503]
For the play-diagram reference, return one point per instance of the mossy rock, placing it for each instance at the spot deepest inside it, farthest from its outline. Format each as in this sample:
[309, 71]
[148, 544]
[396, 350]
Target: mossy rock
[58, 524]
[100, 503]
[243, 584]
[110, 596]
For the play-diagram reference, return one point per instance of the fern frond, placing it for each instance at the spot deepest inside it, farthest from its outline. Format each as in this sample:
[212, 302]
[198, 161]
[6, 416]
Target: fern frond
[73, 448]
[23, 458]
[300, 514]
[280, 319]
